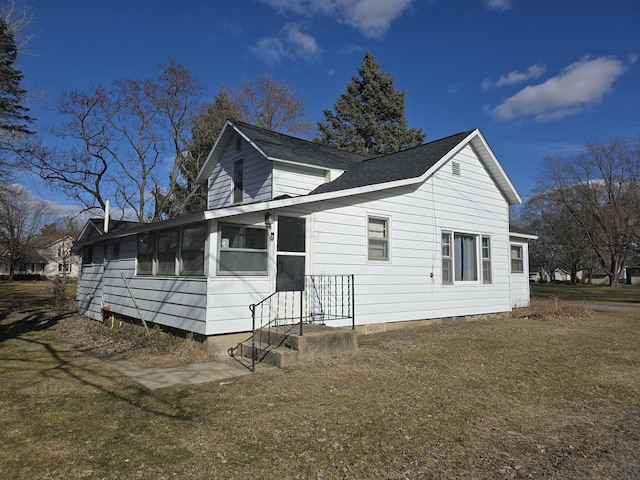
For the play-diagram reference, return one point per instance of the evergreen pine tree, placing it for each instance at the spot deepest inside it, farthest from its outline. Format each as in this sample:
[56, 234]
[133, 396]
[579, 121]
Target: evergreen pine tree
[369, 117]
[13, 114]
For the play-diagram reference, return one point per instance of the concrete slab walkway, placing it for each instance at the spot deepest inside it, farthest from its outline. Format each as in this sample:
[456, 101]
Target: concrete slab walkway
[153, 378]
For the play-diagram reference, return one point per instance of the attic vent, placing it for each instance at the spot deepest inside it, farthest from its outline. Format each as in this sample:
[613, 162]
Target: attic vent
[455, 169]
[238, 143]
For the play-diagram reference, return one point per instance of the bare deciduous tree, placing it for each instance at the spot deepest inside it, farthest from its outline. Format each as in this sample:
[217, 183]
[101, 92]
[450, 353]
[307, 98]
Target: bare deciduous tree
[126, 141]
[21, 220]
[598, 191]
[271, 105]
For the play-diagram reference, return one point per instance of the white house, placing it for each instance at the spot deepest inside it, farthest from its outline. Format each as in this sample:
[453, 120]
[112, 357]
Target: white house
[419, 234]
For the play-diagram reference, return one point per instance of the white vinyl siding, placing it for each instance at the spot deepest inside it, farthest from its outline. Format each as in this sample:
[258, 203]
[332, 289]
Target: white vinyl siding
[256, 177]
[520, 288]
[295, 180]
[411, 287]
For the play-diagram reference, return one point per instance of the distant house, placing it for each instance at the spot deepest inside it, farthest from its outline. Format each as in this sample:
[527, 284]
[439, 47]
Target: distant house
[59, 259]
[50, 261]
[419, 234]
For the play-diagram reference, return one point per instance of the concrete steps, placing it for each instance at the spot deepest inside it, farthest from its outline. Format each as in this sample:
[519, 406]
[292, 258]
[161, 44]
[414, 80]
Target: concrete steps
[283, 349]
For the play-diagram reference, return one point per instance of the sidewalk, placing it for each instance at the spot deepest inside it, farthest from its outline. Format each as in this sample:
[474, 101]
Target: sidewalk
[153, 378]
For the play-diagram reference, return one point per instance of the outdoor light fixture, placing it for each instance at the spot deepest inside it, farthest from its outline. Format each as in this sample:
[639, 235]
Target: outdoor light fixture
[268, 219]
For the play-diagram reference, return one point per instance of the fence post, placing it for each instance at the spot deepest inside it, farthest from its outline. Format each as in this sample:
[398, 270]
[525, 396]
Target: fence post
[301, 300]
[353, 303]
[252, 307]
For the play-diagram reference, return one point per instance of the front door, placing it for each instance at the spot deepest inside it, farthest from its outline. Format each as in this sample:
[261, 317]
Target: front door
[290, 257]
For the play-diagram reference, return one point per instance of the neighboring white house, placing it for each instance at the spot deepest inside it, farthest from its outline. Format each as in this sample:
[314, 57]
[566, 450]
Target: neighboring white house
[54, 260]
[59, 259]
[423, 233]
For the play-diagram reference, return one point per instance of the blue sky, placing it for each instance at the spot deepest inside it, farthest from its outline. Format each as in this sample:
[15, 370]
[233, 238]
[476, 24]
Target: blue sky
[537, 77]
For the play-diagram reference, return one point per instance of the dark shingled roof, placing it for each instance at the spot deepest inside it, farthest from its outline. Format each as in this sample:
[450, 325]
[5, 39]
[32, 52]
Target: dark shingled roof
[403, 165]
[284, 147]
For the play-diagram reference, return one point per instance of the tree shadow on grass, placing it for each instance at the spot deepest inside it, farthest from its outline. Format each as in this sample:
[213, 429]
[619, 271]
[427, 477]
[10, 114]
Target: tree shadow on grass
[21, 330]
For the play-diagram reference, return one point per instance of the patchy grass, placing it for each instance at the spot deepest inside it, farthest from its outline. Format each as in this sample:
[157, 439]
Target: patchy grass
[539, 396]
[624, 294]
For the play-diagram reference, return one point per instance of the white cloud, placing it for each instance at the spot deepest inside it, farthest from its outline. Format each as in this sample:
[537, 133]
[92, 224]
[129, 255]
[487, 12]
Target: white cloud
[499, 5]
[301, 44]
[372, 18]
[292, 43]
[580, 84]
[511, 78]
[270, 50]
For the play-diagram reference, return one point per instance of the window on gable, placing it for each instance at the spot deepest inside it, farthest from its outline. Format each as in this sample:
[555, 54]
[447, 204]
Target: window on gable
[238, 173]
[243, 250]
[238, 143]
[192, 250]
[378, 238]
[517, 264]
[486, 259]
[87, 255]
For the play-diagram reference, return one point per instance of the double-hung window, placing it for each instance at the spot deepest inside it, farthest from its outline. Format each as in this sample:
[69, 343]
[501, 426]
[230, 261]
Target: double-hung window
[243, 250]
[447, 262]
[486, 259]
[517, 264]
[378, 238]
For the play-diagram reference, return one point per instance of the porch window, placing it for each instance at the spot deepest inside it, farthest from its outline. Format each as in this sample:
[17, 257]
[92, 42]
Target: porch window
[243, 250]
[192, 249]
[146, 253]
[238, 174]
[517, 265]
[378, 238]
[167, 251]
[486, 259]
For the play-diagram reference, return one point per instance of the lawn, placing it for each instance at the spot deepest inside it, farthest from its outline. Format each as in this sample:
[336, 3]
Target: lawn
[588, 293]
[526, 397]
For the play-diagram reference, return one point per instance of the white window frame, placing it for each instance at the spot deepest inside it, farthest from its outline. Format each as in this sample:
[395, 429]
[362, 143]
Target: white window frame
[227, 248]
[487, 264]
[483, 257]
[446, 250]
[517, 259]
[385, 240]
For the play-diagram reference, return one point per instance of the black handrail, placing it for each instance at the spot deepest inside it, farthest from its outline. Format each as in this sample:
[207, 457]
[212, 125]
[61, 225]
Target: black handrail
[326, 289]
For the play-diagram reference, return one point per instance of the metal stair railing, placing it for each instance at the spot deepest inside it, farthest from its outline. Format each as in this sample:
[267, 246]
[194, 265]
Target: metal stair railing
[329, 297]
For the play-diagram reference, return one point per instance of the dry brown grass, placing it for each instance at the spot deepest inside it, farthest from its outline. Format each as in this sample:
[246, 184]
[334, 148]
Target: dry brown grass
[535, 396]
